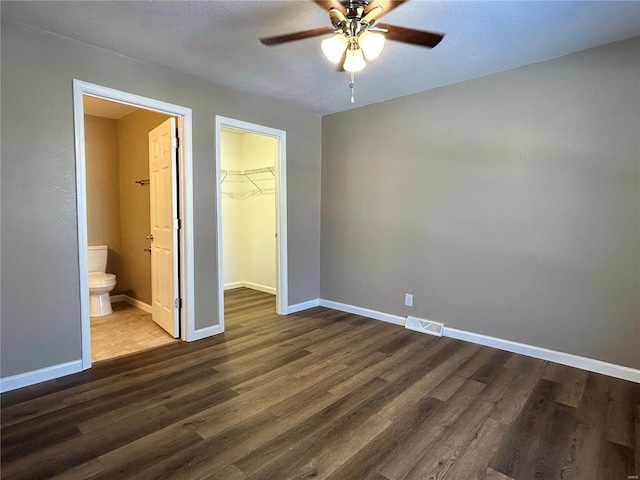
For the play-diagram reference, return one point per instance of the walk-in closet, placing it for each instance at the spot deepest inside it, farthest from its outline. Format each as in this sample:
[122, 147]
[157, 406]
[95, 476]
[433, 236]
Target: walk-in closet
[248, 175]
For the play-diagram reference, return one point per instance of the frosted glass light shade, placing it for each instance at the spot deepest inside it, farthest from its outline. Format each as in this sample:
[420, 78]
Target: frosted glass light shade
[371, 43]
[334, 47]
[355, 60]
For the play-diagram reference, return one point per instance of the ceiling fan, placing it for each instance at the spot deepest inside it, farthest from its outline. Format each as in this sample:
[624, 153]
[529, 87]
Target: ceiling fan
[356, 35]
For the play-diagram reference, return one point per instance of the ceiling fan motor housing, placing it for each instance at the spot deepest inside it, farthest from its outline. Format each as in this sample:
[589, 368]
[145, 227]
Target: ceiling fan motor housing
[356, 20]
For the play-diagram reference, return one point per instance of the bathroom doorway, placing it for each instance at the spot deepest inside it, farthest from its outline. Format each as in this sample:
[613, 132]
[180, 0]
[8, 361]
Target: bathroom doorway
[124, 216]
[250, 165]
[121, 202]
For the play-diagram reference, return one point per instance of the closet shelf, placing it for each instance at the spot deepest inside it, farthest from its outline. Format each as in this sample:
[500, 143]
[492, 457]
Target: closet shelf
[251, 171]
[248, 173]
[247, 194]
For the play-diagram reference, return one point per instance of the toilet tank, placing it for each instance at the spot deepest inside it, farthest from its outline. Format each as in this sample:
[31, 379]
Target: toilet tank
[98, 258]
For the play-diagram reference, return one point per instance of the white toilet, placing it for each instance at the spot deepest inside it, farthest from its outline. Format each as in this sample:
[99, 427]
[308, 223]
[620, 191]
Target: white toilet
[100, 283]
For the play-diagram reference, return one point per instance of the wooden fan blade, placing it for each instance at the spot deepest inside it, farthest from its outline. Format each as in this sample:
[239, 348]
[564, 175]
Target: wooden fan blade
[327, 5]
[409, 35]
[290, 37]
[387, 6]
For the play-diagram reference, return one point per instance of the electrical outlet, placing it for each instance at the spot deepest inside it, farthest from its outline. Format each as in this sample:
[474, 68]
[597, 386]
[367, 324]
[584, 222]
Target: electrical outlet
[408, 299]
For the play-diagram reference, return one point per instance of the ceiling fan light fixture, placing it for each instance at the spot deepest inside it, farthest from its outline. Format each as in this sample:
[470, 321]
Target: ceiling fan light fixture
[356, 37]
[372, 44]
[354, 61]
[334, 47]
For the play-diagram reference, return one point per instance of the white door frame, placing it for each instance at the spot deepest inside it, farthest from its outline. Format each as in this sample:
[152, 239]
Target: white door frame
[282, 297]
[184, 116]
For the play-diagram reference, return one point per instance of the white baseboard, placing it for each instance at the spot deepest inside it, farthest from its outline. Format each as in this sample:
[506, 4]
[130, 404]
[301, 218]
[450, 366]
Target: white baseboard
[252, 286]
[204, 333]
[131, 301]
[260, 288]
[137, 303]
[590, 364]
[41, 375]
[585, 363]
[298, 307]
[365, 312]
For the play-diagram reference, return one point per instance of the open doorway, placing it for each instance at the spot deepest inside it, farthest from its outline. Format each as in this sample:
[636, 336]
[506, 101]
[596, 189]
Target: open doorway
[123, 206]
[250, 165]
[163, 125]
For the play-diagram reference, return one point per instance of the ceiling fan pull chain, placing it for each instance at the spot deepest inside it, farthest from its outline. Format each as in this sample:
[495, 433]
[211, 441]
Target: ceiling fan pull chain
[352, 86]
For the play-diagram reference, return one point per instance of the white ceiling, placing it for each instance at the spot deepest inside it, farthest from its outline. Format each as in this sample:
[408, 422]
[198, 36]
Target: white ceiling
[218, 41]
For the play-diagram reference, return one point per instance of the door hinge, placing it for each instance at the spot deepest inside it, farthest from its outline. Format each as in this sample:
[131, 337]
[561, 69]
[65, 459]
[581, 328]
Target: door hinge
[175, 142]
[178, 303]
[177, 224]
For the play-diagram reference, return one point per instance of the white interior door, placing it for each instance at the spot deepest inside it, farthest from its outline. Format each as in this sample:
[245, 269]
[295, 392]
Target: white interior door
[164, 226]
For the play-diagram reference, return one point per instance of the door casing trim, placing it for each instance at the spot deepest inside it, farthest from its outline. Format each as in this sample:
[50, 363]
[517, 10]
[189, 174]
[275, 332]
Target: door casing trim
[184, 116]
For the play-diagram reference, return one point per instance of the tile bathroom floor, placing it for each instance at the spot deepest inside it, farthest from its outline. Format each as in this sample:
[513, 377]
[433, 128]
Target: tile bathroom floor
[127, 330]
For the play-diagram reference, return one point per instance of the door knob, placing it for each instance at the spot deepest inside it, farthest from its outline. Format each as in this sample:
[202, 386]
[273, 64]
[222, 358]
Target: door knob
[149, 237]
[148, 249]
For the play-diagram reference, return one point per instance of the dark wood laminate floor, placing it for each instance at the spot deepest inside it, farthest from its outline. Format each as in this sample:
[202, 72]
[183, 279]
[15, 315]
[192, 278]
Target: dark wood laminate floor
[322, 394]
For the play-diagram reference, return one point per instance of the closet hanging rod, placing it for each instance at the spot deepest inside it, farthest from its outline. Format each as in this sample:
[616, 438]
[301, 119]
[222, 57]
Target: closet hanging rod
[143, 182]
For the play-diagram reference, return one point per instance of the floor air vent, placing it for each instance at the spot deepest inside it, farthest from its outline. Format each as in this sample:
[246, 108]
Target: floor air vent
[424, 326]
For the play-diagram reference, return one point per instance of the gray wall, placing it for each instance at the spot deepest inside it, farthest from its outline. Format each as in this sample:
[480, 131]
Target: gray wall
[508, 205]
[40, 291]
